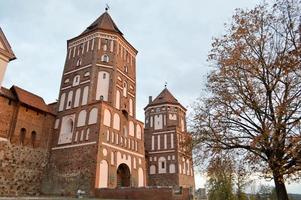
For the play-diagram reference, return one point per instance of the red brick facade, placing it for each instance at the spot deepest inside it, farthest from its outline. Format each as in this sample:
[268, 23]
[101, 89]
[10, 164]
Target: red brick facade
[90, 139]
[96, 114]
[168, 163]
[25, 133]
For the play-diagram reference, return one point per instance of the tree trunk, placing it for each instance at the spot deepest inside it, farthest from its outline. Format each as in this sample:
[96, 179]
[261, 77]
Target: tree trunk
[280, 186]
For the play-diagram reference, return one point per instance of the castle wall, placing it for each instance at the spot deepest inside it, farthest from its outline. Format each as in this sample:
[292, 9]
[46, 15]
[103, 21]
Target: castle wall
[21, 169]
[71, 169]
[22, 158]
[32, 121]
[7, 107]
[72, 165]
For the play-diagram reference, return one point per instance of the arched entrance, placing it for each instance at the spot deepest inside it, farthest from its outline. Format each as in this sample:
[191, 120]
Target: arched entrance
[123, 176]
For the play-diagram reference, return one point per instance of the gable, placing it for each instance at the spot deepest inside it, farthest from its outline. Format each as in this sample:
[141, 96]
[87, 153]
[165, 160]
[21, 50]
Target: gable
[5, 49]
[2, 46]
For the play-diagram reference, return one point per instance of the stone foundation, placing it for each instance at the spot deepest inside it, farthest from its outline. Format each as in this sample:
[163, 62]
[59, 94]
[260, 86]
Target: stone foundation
[21, 169]
[70, 170]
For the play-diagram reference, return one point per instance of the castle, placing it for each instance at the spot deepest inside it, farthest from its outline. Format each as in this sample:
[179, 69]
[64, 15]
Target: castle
[90, 139]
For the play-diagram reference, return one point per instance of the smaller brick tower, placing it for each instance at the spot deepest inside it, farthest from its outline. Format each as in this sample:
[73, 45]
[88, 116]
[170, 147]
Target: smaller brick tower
[165, 132]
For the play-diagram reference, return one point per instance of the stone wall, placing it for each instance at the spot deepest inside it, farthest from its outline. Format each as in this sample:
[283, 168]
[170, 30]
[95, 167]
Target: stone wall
[71, 169]
[186, 181]
[165, 179]
[21, 169]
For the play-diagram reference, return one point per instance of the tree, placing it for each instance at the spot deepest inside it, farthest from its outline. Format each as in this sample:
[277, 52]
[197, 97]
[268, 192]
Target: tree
[254, 103]
[266, 192]
[227, 178]
[220, 183]
[241, 179]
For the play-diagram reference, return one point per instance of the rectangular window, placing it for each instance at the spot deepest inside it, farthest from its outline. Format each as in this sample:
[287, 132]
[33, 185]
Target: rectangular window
[153, 142]
[117, 138]
[108, 135]
[112, 138]
[93, 44]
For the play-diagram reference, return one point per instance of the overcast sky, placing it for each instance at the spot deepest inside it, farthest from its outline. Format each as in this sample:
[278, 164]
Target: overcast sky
[173, 38]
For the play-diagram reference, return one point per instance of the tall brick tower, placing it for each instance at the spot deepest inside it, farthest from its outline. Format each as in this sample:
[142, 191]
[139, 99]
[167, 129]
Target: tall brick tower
[165, 132]
[97, 141]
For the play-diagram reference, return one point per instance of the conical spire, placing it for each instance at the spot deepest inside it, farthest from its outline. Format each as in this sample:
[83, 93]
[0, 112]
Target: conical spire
[165, 97]
[104, 22]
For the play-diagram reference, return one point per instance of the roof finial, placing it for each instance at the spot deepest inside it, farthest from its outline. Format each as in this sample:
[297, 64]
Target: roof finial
[107, 7]
[165, 85]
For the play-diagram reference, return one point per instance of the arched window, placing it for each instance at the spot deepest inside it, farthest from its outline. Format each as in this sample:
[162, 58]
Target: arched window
[78, 62]
[138, 131]
[131, 128]
[62, 102]
[140, 177]
[69, 100]
[93, 116]
[103, 84]
[158, 124]
[87, 74]
[105, 58]
[33, 138]
[77, 97]
[172, 168]
[85, 95]
[116, 123]
[69, 128]
[152, 169]
[76, 80]
[81, 121]
[105, 47]
[103, 174]
[162, 165]
[107, 118]
[22, 136]
[125, 131]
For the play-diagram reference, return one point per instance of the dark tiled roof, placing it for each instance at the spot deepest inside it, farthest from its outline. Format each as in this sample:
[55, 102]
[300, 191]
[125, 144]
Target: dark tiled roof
[31, 99]
[7, 93]
[104, 22]
[165, 97]
[8, 52]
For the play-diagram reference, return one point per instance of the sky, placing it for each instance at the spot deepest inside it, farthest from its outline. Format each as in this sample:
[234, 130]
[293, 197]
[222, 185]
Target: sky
[173, 38]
